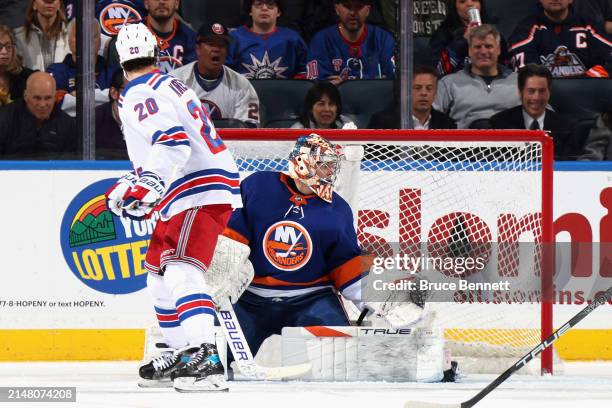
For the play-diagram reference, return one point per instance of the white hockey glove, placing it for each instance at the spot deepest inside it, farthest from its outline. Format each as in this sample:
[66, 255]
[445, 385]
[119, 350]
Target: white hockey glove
[230, 271]
[140, 200]
[114, 195]
[398, 315]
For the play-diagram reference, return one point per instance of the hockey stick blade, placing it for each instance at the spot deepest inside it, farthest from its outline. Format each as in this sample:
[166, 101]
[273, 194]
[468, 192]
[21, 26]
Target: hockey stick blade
[242, 352]
[598, 301]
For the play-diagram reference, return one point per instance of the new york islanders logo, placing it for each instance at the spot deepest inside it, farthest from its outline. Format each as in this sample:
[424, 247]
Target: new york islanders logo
[287, 245]
[115, 15]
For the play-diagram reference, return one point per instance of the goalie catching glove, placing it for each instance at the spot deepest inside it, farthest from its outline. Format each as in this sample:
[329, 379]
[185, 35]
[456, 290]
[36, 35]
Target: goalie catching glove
[140, 200]
[230, 271]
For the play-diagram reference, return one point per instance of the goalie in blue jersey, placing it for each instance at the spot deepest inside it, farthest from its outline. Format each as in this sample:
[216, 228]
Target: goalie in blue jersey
[303, 245]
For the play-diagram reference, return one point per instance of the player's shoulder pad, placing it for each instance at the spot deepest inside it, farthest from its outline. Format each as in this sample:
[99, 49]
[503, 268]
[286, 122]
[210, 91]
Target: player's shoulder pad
[145, 83]
[339, 204]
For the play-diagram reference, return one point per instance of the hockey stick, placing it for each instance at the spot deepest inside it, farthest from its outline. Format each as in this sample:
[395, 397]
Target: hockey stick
[242, 352]
[598, 301]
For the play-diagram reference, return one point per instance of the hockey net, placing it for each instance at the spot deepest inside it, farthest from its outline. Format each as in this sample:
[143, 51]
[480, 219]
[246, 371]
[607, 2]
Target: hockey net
[465, 193]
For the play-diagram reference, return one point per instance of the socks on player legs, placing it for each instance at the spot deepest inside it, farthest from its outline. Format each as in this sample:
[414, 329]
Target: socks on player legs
[195, 308]
[165, 309]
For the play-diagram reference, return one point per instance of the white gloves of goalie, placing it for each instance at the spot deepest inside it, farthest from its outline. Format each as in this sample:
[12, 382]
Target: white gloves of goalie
[230, 271]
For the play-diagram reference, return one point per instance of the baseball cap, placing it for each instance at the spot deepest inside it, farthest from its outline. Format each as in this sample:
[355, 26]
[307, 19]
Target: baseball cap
[210, 30]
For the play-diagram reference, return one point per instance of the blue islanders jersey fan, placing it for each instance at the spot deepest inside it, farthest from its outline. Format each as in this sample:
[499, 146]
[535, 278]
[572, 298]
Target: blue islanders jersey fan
[112, 15]
[65, 74]
[571, 48]
[370, 57]
[280, 54]
[176, 48]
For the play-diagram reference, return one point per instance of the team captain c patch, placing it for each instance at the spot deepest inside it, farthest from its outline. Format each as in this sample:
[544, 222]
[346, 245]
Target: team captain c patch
[287, 245]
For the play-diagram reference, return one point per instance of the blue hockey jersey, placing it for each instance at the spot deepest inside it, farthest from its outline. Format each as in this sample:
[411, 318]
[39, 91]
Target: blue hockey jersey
[299, 243]
[280, 54]
[370, 57]
[176, 48]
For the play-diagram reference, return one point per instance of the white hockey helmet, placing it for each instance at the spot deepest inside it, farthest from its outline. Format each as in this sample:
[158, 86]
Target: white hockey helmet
[135, 41]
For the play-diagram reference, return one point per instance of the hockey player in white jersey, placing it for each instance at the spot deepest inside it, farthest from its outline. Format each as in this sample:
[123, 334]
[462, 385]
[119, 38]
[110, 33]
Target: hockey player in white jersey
[183, 170]
[225, 92]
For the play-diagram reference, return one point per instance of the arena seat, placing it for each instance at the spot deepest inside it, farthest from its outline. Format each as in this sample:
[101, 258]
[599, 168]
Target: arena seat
[280, 99]
[228, 12]
[229, 123]
[581, 98]
[361, 98]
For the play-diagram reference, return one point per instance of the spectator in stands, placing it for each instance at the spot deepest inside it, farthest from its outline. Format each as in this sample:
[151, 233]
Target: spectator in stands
[351, 49]
[424, 84]
[65, 72]
[323, 109]
[110, 144]
[177, 41]
[564, 41]
[264, 50]
[534, 85]
[34, 128]
[598, 145]
[483, 87]
[449, 44]
[43, 39]
[225, 93]
[12, 70]
[596, 11]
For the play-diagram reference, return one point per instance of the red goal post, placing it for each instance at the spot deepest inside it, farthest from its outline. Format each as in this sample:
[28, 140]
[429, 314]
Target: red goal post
[466, 171]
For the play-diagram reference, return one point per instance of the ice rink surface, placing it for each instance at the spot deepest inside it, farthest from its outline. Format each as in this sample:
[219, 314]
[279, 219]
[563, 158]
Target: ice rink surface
[113, 384]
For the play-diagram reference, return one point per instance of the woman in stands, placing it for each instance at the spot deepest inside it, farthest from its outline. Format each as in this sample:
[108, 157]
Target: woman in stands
[449, 44]
[43, 39]
[13, 75]
[598, 145]
[323, 109]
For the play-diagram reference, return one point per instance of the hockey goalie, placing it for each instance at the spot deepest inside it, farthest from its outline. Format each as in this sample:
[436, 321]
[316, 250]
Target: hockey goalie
[304, 252]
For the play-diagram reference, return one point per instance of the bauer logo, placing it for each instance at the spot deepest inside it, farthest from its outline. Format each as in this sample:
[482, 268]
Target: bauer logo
[103, 251]
[287, 245]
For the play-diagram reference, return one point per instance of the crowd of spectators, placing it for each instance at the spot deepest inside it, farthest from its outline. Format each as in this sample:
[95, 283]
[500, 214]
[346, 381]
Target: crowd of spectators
[468, 73]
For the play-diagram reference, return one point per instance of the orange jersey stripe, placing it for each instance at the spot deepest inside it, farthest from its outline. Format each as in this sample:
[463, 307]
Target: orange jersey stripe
[235, 235]
[350, 270]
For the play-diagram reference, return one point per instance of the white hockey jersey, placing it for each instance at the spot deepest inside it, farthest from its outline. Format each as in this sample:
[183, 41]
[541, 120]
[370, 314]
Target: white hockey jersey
[168, 132]
[230, 96]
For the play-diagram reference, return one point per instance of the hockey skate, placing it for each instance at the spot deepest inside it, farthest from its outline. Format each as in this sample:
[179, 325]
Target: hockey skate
[202, 373]
[156, 373]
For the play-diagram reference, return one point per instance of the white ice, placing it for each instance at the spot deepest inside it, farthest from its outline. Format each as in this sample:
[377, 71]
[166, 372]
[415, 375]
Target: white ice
[113, 384]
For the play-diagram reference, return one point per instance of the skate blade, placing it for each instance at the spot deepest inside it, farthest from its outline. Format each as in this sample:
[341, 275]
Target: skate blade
[212, 383]
[165, 383]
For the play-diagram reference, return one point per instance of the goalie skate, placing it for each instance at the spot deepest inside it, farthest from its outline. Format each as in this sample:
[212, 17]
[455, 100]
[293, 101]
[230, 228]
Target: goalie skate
[157, 372]
[203, 373]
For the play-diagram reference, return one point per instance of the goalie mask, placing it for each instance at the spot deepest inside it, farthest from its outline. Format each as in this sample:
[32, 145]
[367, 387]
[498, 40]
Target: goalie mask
[315, 162]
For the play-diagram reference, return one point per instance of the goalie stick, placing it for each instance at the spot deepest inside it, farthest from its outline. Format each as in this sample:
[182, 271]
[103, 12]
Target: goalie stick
[598, 301]
[242, 352]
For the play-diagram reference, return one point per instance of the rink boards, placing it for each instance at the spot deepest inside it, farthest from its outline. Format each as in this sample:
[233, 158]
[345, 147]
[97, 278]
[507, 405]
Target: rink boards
[73, 279]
